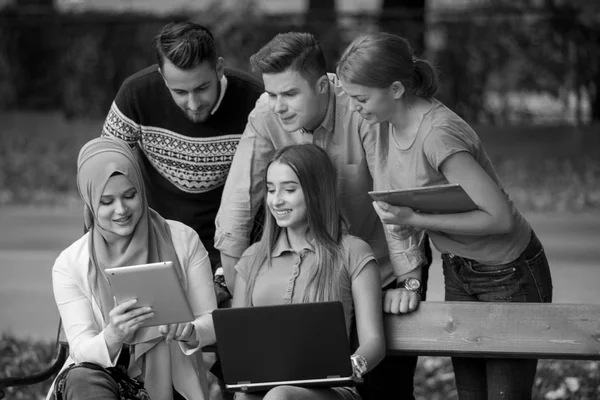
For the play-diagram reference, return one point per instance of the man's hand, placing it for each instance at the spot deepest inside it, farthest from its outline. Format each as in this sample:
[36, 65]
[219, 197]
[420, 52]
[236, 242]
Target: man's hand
[221, 289]
[400, 301]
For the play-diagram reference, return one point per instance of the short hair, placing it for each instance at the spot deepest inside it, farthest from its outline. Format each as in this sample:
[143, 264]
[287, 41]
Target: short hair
[379, 59]
[299, 51]
[185, 44]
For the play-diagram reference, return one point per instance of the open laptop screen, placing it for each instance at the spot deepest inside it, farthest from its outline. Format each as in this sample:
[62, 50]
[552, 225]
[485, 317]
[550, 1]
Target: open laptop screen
[300, 344]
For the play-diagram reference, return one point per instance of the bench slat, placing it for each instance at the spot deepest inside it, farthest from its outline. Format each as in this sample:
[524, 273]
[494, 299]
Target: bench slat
[505, 330]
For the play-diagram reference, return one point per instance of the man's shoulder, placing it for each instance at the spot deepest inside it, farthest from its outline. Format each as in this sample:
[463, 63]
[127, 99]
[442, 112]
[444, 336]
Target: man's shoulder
[261, 110]
[145, 78]
[242, 79]
[341, 98]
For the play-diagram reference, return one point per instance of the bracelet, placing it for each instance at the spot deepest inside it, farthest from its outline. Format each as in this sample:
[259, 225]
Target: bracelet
[359, 365]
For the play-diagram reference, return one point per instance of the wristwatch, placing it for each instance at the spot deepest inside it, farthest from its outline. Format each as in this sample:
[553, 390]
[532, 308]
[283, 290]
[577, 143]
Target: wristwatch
[412, 284]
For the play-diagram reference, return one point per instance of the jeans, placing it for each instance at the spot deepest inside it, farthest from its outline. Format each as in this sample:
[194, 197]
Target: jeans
[526, 279]
[393, 378]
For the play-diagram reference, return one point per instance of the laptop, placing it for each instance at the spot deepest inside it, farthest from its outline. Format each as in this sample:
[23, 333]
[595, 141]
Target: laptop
[294, 344]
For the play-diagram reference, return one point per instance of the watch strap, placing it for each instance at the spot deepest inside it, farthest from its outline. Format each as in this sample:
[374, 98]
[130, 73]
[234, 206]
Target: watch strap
[403, 285]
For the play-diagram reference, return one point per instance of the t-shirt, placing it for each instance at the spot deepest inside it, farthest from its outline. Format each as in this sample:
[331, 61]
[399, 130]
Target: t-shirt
[441, 134]
[286, 280]
[185, 164]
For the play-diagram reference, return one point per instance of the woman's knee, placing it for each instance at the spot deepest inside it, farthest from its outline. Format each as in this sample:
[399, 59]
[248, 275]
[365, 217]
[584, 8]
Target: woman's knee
[280, 393]
[247, 396]
[88, 383]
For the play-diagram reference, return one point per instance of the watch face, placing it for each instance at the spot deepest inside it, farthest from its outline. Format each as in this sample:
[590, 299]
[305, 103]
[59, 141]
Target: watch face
[413, 283]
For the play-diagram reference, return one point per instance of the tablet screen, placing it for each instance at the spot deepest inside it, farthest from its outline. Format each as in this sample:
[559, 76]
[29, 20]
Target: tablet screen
[156, 285]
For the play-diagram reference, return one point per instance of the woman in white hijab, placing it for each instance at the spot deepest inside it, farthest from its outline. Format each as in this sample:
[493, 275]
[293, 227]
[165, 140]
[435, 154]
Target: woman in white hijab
[111, 357]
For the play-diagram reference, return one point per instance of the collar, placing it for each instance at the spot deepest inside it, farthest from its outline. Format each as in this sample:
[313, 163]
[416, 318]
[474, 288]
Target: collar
[283, 245]
[329, 119]
[223, 83]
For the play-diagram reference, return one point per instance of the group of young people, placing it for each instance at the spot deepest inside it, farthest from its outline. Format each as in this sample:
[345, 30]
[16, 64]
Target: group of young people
[191, 152]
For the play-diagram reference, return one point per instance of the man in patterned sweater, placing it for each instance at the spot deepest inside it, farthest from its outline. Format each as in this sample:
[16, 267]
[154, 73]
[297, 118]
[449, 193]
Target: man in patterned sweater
[185, 117]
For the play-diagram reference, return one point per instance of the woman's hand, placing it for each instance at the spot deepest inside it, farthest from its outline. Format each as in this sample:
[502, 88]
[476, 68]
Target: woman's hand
[125, 320]
[394, 215]
[184, 332]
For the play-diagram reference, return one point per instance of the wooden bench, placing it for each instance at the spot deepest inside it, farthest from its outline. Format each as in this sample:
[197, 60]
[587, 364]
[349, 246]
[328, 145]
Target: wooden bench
[504, 330]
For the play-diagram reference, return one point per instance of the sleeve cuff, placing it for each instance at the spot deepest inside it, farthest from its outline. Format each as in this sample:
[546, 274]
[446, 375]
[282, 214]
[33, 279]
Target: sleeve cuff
[106, 361]
[231, 245]
[188, 349]
[406, 250]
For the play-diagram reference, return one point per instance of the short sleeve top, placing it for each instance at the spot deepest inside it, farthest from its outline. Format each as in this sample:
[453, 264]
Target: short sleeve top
[285, 281]
[441, 134]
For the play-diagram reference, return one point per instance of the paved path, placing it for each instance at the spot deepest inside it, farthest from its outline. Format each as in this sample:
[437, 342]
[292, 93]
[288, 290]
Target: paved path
[31, 238]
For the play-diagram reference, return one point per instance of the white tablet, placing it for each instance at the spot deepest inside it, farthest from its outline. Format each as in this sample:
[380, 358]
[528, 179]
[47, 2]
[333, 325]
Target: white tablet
[441, 199]
[156, 285]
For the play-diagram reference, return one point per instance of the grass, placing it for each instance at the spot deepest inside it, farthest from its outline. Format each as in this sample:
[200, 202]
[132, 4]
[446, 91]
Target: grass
[555, 380]
[434, 379]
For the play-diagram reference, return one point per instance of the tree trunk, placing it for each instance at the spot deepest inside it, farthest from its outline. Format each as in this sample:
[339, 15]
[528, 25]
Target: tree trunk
[321, 20]
[405, 18]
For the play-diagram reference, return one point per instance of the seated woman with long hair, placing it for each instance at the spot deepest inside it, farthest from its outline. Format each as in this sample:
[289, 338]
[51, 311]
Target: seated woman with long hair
[111, 355]
[305, 255]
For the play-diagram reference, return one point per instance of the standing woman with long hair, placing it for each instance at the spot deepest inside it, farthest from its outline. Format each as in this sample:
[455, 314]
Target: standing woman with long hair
[305, 255]
[490, 254]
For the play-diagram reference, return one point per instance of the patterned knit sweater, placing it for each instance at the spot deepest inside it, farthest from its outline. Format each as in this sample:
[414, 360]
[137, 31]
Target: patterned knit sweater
[185, 164]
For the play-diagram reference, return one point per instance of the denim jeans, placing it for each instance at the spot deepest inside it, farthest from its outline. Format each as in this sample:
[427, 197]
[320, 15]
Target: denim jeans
[526, 279]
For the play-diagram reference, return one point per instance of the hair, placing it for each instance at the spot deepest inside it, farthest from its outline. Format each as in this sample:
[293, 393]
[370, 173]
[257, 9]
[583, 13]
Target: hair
[299, 51]
[379, 59]
[185, 44]
[326, 225]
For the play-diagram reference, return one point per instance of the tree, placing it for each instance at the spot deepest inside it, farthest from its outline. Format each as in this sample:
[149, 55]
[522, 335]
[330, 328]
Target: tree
[575, 29]
[405, 18]
[321, 20]
[34, 5]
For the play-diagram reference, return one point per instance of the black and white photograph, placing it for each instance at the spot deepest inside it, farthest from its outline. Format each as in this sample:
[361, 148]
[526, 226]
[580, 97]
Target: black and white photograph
[299, 199]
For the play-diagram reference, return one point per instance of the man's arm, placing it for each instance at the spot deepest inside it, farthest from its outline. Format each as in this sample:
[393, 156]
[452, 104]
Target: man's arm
[228, 263]
[407, 248]
[243, 192]
[405, 244]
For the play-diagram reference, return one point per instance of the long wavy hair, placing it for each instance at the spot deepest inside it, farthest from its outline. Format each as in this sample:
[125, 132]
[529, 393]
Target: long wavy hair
[326, 226]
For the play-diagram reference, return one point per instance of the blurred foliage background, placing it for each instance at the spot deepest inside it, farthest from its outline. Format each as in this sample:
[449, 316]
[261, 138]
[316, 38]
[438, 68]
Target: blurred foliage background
[502, 61]
[525, 73]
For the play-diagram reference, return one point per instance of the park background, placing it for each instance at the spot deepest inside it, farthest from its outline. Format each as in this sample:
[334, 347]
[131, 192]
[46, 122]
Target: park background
[524, 73]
